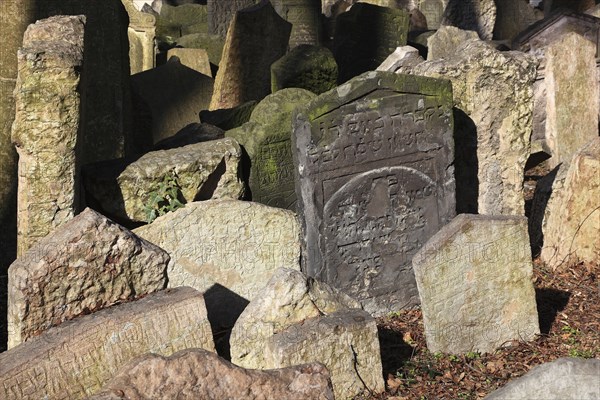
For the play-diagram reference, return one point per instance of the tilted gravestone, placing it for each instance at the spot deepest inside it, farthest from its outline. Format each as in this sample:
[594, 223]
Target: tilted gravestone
[375, 182]
[474, 279]
[256, 39]
[365, 36]
[220, 14]
[305, 17]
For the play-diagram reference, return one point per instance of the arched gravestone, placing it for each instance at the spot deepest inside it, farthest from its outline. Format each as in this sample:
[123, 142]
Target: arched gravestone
[375, 181]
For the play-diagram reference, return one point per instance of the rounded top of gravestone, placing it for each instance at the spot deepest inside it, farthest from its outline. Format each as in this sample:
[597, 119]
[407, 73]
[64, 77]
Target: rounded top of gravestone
[307, 66]
[277, 108]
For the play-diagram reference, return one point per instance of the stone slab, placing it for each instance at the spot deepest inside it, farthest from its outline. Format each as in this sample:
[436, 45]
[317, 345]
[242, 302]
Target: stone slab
[221, 13]
[196, 59]
[472, 15]
[307, 67]
[444, 42]
[305, 17]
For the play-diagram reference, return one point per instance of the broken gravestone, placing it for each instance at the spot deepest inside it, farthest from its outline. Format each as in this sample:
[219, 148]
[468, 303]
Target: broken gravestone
[295, 319]
[256, 39]
[228, 249]
[144, 189]
[87, 264]
[46, 129]
[308, 67]
[475, 283]
[74, 360]
[375, 181]
[266, 140]
[202, 373]
[365, 36]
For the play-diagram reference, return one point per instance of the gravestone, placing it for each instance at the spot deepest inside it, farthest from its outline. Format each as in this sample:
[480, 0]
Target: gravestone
[196, 59]
[174, 94]
[87, 264]
[374, 182]
[403, 58]
[471, 15]
[221, 13]
[572, 104]
[433, 10]
[256, 39]
[308, 67]
[213, 44]
[266, 141]
[141, 33]
[365, 36]
[475, 283]
[513, 17]
[74, 360]
[305, 17]
[229, 118]
[444, 42]
[46, 130]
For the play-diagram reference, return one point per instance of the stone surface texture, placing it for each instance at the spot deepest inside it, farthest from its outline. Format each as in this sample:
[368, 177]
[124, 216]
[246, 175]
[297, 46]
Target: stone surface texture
[572, 215]
[306, 66]
[229, 118]
[196, 59]
[475, 283]
[191, 134]
[513, 17]
[256, 39]
[471, 15]
[375, 181]
[572, 105]
[266, 139]
[85, 265]
[401, 57]
[46, 127]
[563, 379]
[305, 17]
[199, 374]
[493, 92]
[221, 13]
[296, 319]
[141, 33]
[74, 360]
[444, 42]
[231, 247]
[200, 171]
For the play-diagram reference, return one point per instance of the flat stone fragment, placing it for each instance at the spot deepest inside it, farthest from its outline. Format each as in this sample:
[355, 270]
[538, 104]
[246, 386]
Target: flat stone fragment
[200, 171]
[196, 59]
[493, 97]
[227, 249]
[308, 67]
[444, 42]
[199, 374]
[572, 217]
[475, 282]
[295, 319]
[375, 181]
[87, 264]
[563, 379]
[256, 39]
[472, 15]
[47, 125]
[365, 36]
[266, 139]
[74, 360]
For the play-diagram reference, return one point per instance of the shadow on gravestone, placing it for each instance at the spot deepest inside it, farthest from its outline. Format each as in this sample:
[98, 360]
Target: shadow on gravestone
[225, 306]
[549, 303]
[535, 223]
[465, 163]
[3, 311]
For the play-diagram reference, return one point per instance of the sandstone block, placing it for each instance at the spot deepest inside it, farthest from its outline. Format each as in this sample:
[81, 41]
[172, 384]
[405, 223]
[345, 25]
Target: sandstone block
[196, 59]
[444, 42]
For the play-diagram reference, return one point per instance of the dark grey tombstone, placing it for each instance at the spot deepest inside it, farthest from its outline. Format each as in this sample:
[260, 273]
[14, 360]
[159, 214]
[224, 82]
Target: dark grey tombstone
[365, 36]
[375, 181]
[221, 12]
[305, 17]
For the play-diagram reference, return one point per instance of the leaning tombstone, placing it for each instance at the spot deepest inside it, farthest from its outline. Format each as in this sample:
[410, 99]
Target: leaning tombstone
[74, 360]
[221, 13]
[267, 144]
[87, 264]
[46, 129]
[475, 283]
[307, 67]
[375, 181]
[365, 36]
[256, 39]
[472, 15]
[305, 17]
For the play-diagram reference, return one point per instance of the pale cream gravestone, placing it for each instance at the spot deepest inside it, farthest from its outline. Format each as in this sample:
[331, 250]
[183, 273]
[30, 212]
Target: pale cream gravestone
[74, 360]
[475, 282]
[196, 59]
[141, 33]
[46, 130]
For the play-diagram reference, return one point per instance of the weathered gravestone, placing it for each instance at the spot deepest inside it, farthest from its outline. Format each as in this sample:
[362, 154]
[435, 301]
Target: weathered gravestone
[471, 15]
[474, 278]
[403, 58]
[46, 130]
[141, 33]
[433, 10]
[196, 59]
[221, 13]
[444, 42]
[365, 36]
[174, 94]
[213, 44]
[256, 39]
[267, 145]
[572, 103]
[74, 360]
[201, 374]
[513, 17]
[228, 249]
[308, 67]
[375, 182]
[305, 17]
[87, 264]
